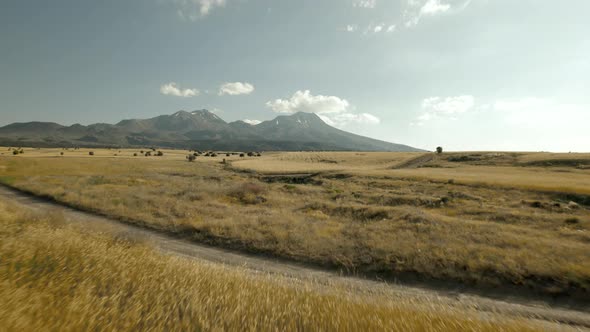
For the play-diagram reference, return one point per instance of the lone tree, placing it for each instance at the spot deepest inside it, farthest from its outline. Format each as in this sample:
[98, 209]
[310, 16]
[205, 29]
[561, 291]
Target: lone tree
[439, 150]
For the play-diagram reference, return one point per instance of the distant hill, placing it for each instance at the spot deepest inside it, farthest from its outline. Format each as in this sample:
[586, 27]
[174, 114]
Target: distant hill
[199, 130]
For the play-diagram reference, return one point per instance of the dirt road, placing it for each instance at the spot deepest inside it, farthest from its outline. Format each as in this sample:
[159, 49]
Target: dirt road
[511, 307]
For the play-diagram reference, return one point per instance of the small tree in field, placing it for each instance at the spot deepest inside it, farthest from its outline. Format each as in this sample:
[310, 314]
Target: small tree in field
[191, 157]
[439, 150]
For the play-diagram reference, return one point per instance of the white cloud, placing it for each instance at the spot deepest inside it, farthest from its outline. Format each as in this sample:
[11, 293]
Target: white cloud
[172, 89]
[391, 28]
[304, 101]
[378, 29]
[351, 28]
[435, 107]
[417, 9]
[252, 122]
[236, 88]
[195, 9]
[333, 110]
[433, 7]
[365, 4]
[449, 105]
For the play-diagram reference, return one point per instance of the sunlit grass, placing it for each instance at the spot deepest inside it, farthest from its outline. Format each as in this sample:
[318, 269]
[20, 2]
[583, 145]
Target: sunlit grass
[375, 224]
[54, 277]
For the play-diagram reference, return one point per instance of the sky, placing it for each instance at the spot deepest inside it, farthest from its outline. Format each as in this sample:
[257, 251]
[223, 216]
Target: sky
[463, 74]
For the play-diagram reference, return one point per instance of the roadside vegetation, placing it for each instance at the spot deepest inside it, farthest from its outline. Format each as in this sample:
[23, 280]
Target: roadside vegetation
[385, 222]
[56, 277]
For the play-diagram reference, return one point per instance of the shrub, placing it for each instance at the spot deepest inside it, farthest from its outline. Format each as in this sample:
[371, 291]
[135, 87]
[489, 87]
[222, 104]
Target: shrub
[135, 154]
[439, 150]
[191, 157]
[250, 154]
[91, 153]
[249, 193]
[15, 152]
[572, 221]
[242, 155]
[160, 154]
[61, 153]
[227, 154]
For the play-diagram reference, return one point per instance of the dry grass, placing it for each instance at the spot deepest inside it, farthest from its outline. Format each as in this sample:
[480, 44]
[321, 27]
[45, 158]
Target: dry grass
[55, 277]
[310, 162]
[378, 222]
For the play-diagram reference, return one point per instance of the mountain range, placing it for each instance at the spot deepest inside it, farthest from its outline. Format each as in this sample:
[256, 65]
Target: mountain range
[200, 129]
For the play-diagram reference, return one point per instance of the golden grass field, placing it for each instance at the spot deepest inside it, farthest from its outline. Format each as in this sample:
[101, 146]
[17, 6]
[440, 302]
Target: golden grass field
[489, 220]
[59, 277]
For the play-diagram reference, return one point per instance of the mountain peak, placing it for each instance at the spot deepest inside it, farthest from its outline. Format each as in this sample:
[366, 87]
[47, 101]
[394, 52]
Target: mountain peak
[202, 128]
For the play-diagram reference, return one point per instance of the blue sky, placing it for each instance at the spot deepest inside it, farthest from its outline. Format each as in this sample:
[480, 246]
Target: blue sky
[465, 74]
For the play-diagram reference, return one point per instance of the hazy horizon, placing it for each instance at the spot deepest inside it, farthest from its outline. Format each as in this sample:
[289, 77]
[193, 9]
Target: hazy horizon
[465, 74]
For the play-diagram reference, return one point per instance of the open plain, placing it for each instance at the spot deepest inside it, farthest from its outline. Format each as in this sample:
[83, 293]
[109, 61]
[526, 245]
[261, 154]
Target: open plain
[507, 225]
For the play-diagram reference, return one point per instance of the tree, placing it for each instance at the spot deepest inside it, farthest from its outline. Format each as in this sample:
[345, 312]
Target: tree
[439, 150]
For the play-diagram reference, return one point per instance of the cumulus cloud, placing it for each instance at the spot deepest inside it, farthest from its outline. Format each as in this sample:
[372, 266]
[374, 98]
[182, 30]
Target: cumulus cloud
[365, 4]
[252, 122]
[436, 107]
[304, 101]
[195, 9]
[333, 110]
[236, 88]
[172, 89]
[418, 9]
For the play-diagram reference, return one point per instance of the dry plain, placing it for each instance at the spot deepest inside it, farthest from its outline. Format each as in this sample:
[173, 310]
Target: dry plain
[516, 222]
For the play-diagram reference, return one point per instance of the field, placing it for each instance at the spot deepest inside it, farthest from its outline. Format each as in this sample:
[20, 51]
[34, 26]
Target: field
[57, 276]
[516, 222]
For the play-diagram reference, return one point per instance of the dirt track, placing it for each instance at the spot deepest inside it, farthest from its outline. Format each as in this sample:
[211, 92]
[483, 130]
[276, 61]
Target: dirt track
[321, 278]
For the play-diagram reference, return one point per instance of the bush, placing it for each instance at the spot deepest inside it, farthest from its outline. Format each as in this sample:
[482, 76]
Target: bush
[61, 153]
[249, 193]
[572, 221]
[135, 154]
[242, 155]
[160, 154]
[250, 154]
[91, 153]
[191, 157]
[439, 150]
[15, 152]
